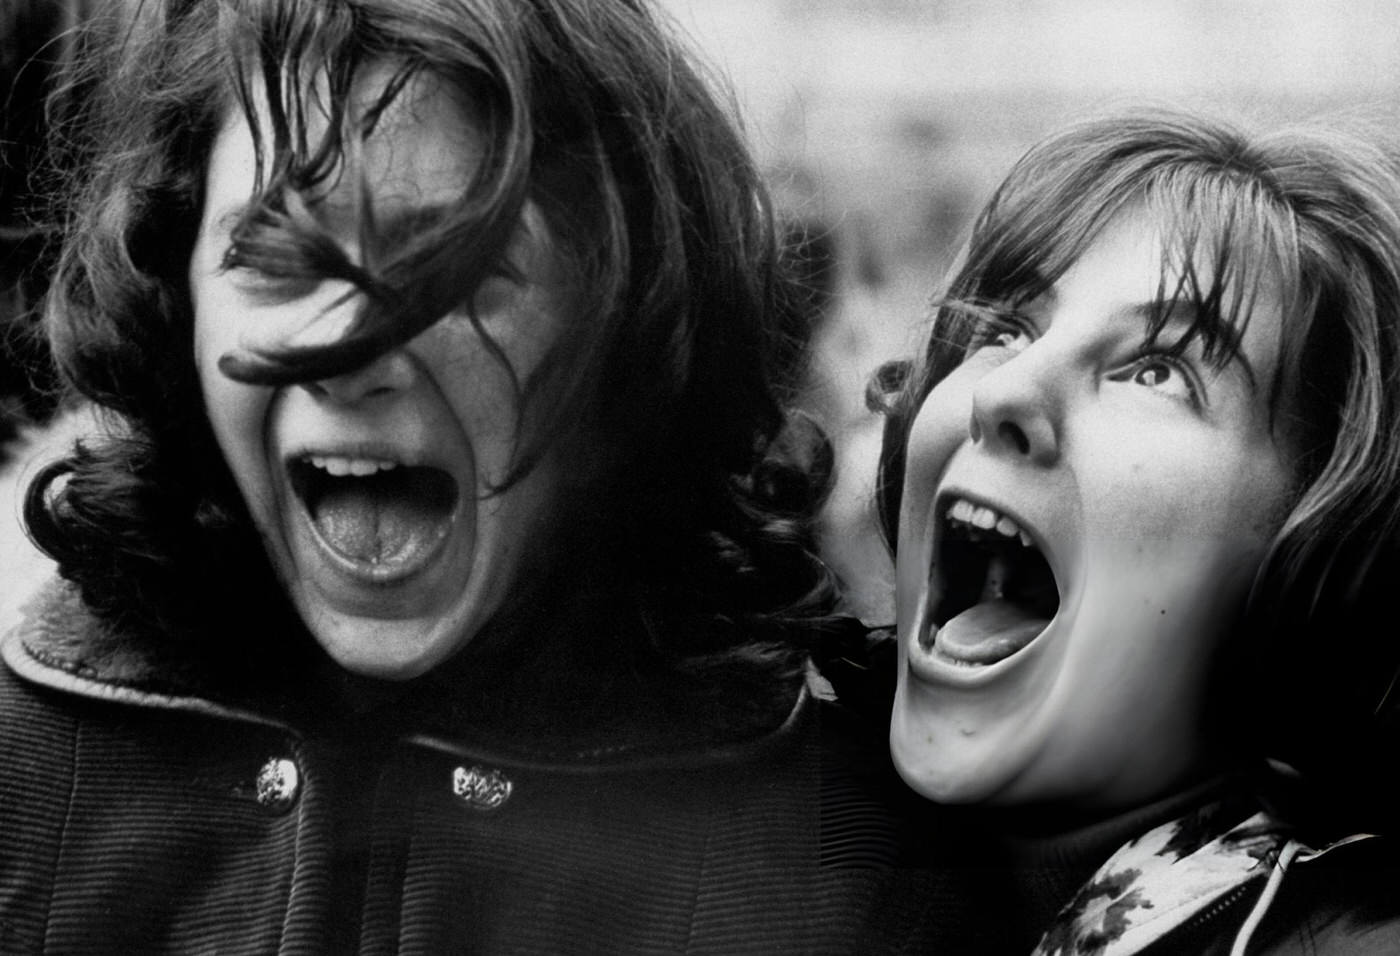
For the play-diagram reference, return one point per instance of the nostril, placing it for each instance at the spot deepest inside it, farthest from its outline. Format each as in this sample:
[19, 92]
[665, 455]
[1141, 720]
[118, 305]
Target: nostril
[350, 388]
[1012, 434]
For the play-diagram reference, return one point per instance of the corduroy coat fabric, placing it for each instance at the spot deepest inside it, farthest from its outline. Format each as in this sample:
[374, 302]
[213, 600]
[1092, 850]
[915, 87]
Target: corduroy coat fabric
[136, 821]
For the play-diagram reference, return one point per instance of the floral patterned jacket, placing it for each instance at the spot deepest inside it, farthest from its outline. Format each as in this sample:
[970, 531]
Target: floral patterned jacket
[1208, 882]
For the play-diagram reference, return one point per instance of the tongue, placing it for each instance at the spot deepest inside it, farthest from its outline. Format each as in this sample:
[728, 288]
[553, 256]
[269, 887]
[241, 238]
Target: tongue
[988, 632]
[379, 519]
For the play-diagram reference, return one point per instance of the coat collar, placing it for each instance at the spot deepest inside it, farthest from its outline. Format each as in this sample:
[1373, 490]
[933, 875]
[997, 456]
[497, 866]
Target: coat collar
[1173, 875]
[60, 644]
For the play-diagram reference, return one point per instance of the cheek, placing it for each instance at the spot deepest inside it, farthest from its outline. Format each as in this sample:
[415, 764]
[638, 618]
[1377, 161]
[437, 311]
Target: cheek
[1174, 543]
[938, 430]
[237, 414]
[927, 450]
[485, 384]
[478, 390]
[216, 325]
[1182, 486]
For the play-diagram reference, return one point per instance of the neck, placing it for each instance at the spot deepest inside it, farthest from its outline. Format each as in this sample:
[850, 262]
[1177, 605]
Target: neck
[559, 672]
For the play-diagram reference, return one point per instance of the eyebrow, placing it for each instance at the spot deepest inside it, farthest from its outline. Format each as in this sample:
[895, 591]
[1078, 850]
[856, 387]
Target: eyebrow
[1177, 314]
[393, 225]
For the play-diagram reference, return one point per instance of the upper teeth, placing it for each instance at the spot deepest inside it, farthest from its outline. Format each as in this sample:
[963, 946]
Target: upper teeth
[980, 516]
[340, 465]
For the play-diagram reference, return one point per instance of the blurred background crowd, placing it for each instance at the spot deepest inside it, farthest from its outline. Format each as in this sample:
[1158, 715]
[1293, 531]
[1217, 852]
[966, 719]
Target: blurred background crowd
[882, 124]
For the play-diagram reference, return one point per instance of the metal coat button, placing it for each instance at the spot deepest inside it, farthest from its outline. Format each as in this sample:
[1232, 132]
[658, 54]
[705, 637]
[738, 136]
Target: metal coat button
[278, 783]
[481, 788]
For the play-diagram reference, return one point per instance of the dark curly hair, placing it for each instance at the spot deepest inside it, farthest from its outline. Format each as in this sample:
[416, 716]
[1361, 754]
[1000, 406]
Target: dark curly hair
[593, 112]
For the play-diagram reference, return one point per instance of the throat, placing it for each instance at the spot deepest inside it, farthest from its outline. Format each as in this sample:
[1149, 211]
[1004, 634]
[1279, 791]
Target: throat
[996, 599]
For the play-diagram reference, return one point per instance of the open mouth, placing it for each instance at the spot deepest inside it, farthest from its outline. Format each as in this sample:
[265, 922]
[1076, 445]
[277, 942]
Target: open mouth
[378, 517]
[996, 592]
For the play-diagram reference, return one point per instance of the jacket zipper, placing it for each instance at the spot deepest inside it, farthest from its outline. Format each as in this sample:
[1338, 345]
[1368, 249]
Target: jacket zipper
[1218, 907]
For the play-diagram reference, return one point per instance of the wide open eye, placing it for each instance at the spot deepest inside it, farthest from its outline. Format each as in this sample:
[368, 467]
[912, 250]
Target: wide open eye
[1002, 330]
[1170, 376]
[1009, 339]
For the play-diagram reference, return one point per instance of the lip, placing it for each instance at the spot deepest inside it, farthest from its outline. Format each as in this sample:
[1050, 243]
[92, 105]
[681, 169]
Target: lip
[929, 664]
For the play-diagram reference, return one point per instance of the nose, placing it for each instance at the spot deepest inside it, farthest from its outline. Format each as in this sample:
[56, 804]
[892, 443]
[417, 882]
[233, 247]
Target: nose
[388, 374]
[1016, 409]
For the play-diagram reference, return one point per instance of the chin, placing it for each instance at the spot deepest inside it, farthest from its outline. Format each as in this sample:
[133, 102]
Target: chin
[392, 650]
[935, 767]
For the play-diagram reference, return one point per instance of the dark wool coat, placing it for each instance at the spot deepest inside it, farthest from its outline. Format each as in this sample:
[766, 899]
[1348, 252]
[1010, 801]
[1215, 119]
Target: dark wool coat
[138, 815]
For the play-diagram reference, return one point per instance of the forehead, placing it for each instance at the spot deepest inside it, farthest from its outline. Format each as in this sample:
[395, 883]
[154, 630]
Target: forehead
[1141, 268]
[1144, 255]
[1123, 265]
[423, 147]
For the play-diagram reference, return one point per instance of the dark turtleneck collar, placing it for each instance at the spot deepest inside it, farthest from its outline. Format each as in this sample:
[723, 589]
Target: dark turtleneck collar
[1055, 855]
[989, 881]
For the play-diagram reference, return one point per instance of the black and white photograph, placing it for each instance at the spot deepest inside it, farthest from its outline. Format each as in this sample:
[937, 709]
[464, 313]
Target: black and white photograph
[699, 477]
